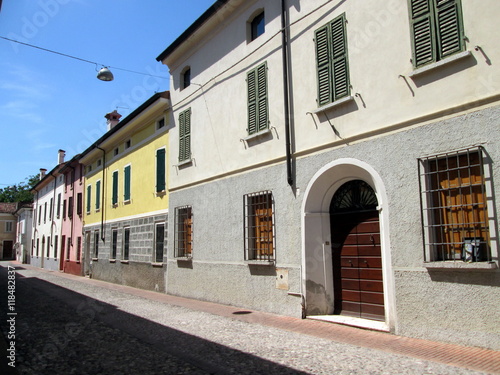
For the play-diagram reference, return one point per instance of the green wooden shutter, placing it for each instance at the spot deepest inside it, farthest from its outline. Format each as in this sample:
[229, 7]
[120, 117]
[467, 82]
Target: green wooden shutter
[252, 101]
[323, 66]
[423, 37]
[114, 199]
[339, 58]
[160, 170]
[449, 27]
[185, 135]
[258, 109]
[262, 96]
[89, 196]
[126, 185]
[98, 195]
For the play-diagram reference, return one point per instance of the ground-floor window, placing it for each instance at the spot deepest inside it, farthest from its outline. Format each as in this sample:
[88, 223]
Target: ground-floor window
[259, 226]
[159, 242]
[114, 243]
[126, 243]
[454, 206]
[96, 244]
[183, 231]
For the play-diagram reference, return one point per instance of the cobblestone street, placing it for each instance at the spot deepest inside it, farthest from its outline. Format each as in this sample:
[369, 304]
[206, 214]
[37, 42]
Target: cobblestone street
[72, 325]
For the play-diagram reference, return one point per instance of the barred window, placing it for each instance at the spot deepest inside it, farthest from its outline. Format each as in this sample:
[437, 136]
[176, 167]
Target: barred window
[183, 232]
[454, 206]
[159, 242]
[259, 229]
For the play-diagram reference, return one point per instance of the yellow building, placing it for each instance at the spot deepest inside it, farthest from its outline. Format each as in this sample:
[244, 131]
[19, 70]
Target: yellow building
[126, 198]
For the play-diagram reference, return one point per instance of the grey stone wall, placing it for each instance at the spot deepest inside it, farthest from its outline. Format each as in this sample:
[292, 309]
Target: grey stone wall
[140, 270]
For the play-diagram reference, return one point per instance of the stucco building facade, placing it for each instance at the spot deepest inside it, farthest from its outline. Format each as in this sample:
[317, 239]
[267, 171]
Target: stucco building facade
[8, 230]
[126, 198]
[337, 160]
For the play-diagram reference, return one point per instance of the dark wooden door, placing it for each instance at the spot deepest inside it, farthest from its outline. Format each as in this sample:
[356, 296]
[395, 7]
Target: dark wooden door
[357, 265]
[8, 250]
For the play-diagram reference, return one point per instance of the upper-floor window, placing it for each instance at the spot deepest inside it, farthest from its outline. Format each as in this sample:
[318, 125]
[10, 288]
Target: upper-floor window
[8, 226]
[186, 78]
[126, 182]
[436, 29]
[257, 26]
[160, 124]
[332, 62]
[185, 135]
[160, 170]
[258, 112]
[114, 191]
[128, 143]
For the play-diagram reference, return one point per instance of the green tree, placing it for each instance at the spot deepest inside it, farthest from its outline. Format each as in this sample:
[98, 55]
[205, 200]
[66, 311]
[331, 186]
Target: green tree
[20, 192]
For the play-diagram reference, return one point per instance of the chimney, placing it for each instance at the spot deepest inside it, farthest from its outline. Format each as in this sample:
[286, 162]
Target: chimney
[113, 119]
[60, 156]
[42, 173]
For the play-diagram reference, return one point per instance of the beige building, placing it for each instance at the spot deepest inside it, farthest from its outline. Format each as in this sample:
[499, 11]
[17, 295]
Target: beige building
[341, 167]
[7, 230]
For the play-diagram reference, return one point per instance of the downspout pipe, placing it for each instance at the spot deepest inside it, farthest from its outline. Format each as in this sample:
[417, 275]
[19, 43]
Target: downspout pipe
[103, 237]
[286, 91]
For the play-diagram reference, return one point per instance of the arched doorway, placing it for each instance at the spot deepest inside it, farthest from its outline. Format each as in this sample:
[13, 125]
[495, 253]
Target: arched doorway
[356, 252]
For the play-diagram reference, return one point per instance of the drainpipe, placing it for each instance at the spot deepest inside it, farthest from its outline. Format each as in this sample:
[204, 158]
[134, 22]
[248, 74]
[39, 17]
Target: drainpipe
[102, 192]
[286, 91]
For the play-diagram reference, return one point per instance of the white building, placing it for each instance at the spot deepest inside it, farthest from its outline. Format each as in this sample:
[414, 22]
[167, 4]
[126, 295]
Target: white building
[343, 167]
[24, 214]
[48, 212]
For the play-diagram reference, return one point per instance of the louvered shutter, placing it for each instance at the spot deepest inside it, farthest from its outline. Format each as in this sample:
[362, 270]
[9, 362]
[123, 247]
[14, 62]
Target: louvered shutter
[424, 50]
[98, 195]
[252, 101]
[89, 195]
[114, 199]
[160, 170]
[339, 58]
[126, 187]
[185, 135]
[448, 25]
[262, 92]
[323, 66]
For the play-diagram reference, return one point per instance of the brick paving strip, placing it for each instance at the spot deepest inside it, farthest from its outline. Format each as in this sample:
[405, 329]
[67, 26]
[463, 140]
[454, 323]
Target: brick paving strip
[478, 359]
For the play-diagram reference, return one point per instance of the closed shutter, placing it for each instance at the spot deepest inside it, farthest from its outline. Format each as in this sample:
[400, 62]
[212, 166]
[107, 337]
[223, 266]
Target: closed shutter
[160, 170]
[448, 25]
[114, 199]
[339, 57]
[160, 242]
[257, 99]
[89, 195]
[323, 66]
[98, 195]
[436, 28]
[332, 64]
[126, 186]
[185, 135]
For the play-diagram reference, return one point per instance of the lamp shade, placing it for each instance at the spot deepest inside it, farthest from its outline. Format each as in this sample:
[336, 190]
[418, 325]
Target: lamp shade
[105, 74]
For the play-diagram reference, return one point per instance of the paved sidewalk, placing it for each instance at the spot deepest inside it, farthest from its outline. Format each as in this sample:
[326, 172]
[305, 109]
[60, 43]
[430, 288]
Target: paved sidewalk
[414, 355]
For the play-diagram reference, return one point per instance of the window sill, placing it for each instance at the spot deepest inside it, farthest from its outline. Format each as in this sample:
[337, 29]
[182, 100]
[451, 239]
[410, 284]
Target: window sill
[161, 193]
[257, 135]
[127, 202]
[95, 259]
[461, 266]
[187, 258]
[157, 264]
[112, 261]
[259, 262]
[124, 261]
[432, 66]
[333, 105]
[184, 163]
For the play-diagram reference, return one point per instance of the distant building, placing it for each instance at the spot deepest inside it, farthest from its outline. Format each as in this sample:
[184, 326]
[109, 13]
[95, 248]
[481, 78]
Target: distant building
[339, 161]
[49, 209]
[7, 230]
[24, 215]
[126, 197]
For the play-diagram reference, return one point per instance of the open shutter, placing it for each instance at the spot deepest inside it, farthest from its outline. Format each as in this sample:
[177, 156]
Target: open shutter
[262, 93]
[448, 26]
[252, 101]
[323, 66]
[160, 170]
[339, 58]
[126, 186]
[422, 32]
[114, 199]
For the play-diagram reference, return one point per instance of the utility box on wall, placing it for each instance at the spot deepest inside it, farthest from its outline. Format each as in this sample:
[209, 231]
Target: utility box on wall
[282, 279]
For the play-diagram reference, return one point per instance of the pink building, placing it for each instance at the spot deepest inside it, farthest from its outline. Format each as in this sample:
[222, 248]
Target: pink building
[72, 220]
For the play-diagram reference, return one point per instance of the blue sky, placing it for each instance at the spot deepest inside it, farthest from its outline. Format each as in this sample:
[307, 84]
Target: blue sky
[50, 102]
